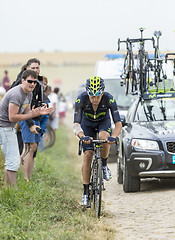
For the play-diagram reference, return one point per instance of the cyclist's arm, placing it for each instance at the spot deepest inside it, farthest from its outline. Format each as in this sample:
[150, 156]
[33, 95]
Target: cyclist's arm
[115, 116]
[117, 129]
[78, 130]
[78, 117]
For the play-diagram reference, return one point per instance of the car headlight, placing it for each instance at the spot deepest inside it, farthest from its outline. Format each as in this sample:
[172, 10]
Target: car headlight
[145, 144]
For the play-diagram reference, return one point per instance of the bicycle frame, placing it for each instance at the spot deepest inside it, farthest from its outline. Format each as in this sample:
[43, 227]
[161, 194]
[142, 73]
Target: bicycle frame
[128, 75]
[96, 182]
[142, 59]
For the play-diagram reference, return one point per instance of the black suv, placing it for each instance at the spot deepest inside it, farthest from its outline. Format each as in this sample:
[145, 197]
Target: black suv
[147, 141]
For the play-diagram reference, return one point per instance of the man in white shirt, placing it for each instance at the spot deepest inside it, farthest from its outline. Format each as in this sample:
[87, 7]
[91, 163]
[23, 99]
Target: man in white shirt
[54, 103]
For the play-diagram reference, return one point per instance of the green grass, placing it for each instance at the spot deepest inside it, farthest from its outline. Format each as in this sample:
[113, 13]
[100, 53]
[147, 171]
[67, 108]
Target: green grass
[48, 206]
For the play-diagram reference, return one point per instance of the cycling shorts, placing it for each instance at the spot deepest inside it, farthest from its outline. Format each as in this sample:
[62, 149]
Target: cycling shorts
[89, 128]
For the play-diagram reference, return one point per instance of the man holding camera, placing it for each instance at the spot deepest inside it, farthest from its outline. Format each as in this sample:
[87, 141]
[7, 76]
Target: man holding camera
[30, 129]
[15, 107]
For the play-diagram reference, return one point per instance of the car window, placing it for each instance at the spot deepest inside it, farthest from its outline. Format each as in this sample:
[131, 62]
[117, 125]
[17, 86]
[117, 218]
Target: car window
[156, 110]
[118, 92]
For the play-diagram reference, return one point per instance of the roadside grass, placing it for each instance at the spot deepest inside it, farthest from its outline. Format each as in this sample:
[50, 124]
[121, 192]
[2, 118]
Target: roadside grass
[48, 206]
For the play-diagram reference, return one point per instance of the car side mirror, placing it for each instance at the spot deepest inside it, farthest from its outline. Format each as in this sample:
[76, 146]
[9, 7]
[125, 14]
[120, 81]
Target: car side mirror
[123, 120]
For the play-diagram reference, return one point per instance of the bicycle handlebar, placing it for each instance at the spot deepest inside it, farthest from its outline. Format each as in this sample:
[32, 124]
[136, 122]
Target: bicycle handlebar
[98, 141]
[120, 41]
[133, 40]
[92, 141]
[169, 54]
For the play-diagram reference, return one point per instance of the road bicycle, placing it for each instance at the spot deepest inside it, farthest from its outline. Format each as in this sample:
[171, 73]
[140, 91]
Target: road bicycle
[142, 58]
[128, 77]
[96, 182]
[155, 65]
[157, 61]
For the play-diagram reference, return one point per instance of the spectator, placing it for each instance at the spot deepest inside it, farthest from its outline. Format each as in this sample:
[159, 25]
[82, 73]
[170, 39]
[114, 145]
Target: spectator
[30, 134]
[44, 119]
[54, 103]
[48, 90]
[62, 109]
[14, 107]
[6, 81]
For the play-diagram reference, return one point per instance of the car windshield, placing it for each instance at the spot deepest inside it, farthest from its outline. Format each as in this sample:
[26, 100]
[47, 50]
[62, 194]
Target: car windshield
[156, 110]
[118, 92]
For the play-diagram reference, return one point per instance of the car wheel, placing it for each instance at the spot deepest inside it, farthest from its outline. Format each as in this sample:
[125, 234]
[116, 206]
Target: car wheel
[130, 184]
[119, 172]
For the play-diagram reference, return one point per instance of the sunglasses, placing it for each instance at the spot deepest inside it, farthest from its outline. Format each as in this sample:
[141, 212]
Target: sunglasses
[96, 94]
[31, 81]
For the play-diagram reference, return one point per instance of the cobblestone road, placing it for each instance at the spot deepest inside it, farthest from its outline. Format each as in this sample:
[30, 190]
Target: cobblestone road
[148, 214]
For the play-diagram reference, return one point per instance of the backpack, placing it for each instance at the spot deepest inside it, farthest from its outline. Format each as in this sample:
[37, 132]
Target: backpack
[18, 80]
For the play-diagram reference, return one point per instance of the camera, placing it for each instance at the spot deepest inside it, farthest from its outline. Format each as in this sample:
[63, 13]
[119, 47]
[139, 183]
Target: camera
[40, 104]
[38, 130]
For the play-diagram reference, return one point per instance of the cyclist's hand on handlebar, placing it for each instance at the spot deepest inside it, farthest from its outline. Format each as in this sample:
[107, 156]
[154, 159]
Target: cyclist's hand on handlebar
[86, 139]
[112, 140]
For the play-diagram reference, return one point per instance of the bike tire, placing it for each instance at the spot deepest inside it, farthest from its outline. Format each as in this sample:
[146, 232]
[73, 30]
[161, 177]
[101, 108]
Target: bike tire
[49, 137]
[141, 73]
[126, 75]
[91, 186]
[98, 189]
[133, 76]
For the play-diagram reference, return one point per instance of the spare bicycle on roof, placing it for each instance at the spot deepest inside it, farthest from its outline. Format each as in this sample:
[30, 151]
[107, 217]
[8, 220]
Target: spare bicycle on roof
[143, 74]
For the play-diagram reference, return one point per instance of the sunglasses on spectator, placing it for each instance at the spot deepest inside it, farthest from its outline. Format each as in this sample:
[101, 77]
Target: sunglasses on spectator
[31, 81]
[95, 94]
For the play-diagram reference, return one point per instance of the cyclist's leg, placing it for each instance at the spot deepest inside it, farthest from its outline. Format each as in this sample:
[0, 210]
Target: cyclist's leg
[86, 165]
[106, 147]
[104, 132]
[104, 129]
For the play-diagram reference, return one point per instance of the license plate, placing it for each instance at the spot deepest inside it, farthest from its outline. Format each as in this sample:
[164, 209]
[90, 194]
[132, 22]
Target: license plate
[173, 159]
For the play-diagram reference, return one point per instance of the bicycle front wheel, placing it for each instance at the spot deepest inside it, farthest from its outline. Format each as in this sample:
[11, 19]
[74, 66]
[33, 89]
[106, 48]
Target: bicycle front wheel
[98, 188]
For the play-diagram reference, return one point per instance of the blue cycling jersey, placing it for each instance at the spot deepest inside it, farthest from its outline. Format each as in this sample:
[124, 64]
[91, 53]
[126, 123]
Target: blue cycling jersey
[84, 110]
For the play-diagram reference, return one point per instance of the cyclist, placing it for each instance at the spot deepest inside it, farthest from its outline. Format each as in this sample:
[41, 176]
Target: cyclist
[92, 112]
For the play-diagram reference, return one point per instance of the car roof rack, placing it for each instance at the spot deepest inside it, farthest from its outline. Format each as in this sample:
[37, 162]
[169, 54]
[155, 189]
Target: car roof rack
[158, 95]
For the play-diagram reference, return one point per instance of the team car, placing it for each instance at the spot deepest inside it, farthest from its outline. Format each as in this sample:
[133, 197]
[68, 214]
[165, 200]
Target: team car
[147, 140]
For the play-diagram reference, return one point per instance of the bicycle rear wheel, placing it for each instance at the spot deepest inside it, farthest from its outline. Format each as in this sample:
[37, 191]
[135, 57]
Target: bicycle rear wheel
[49, 137]
[126, 73]
[98, 188]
